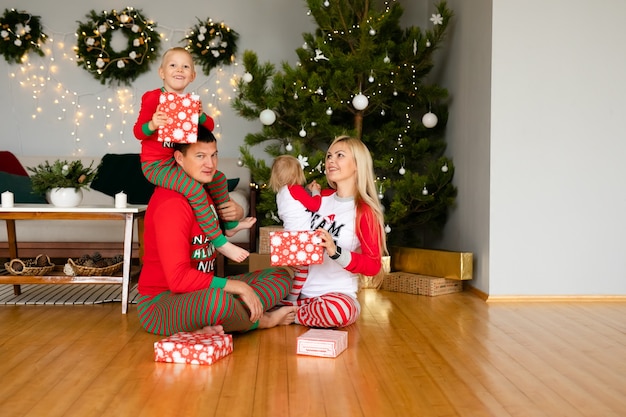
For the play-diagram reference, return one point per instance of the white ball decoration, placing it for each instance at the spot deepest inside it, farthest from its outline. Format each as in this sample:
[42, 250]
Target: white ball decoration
[430, 120]
[372, 31]
[302, 133]
[329, 111]
[247, 77]
[444, 168]
[387, 229]
[402, 171]
[267, 117]
[239, 162]
[360, 102]
[386, 59]
[424, 191]
[289, 147]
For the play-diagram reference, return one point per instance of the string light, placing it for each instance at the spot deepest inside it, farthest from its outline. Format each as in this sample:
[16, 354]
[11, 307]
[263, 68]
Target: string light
[99, 113]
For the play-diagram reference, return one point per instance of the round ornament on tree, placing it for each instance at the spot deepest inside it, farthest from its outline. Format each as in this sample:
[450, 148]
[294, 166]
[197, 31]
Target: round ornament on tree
[360, 102]
[267, 117]
[247, 77]
[430, 120]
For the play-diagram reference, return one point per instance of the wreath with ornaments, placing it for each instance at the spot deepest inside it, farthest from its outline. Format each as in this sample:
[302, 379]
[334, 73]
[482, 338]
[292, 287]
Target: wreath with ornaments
[96, 54]
[20, 33]
[212, 44]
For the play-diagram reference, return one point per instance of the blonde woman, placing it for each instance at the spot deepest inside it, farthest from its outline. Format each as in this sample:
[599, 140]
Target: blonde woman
[295, 206]
[351, 224]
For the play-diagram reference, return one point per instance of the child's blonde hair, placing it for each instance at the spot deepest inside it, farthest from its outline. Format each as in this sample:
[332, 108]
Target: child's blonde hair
[286, 170]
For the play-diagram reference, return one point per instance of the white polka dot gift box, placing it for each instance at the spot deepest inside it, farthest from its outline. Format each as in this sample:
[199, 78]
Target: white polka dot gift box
[295, 248]
[183, 113]
[193, 348]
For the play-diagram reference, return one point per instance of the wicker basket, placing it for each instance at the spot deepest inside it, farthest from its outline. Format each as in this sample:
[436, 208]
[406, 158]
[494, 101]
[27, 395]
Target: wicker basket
[29, 270]
[72, 268]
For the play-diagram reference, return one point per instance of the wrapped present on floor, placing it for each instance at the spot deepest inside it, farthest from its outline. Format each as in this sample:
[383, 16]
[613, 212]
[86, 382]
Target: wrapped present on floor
[295, 248]
[183, 112]
[421, 284]
[433, 263]
[322, 342]
[193, 348]
[264, 238]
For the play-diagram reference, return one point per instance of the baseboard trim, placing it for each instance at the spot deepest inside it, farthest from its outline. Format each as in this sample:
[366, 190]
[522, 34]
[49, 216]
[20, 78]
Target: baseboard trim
[556, 298]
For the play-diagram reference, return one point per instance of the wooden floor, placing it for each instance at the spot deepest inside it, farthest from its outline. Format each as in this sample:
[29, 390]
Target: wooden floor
[408, 355]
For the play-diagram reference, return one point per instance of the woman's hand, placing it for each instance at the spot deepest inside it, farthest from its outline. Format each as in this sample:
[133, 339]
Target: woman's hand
[327, 241]
[248, 296]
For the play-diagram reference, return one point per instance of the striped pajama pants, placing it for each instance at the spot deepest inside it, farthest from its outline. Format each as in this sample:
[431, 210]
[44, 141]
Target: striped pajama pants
[328, 310]
[169, 313]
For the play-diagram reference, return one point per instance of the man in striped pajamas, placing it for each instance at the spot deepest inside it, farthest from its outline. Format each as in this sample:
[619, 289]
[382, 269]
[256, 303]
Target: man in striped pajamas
[178, 288]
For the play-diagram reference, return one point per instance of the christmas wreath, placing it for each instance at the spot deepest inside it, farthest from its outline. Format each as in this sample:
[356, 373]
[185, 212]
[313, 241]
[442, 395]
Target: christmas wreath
[20, 33]
[212, 44]
[96, 55]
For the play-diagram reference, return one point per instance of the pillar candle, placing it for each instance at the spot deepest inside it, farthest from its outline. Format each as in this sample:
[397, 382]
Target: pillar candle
[7, 199]
[120, 200]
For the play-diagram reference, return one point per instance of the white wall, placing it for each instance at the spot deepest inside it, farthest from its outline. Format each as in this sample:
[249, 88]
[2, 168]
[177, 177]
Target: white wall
[557, 148]
[262, 26]
[551, 222]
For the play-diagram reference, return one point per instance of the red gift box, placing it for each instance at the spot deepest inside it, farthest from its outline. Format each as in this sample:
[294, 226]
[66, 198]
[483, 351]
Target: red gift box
[322, 342]
[194, 348]
[295, 248]
[183, 112]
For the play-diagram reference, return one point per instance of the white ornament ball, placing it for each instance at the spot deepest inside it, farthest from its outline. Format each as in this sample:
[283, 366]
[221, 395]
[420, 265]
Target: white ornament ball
[402, 171]
[267, 117]
[371, 78]
[386, 59]
[372, 32]
[360, 102]
[430, 120]
[247, 77]
[302, 133]
[424, 191]
[381, 196]
[444, 168]
[428, 44]
[329, 111]
[239, 162]
[289, 147]
[387, 229]
[326, 3]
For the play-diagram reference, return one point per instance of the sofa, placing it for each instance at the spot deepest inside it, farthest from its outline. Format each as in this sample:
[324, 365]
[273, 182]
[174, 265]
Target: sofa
[62, 239]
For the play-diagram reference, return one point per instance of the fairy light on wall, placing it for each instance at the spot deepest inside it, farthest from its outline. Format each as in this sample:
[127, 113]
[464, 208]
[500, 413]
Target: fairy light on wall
[105, 114]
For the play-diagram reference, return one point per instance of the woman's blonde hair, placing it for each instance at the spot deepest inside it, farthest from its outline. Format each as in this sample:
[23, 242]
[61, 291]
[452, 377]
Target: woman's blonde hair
[365, 185]
[286, 170]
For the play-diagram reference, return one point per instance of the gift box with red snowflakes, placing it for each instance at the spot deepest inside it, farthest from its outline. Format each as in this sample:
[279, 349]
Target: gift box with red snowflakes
[183, 112]
[193, 348]
[295, 248]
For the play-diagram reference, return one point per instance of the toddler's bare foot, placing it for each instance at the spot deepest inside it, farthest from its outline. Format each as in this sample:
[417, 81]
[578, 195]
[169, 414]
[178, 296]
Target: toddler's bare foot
[246, 223]
[233, 252]
[211, 330]
[279, 317]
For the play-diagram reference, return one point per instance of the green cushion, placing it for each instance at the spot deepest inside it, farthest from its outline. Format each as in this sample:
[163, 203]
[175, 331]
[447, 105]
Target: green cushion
[21, 188]
[232, 184]
[122, 172]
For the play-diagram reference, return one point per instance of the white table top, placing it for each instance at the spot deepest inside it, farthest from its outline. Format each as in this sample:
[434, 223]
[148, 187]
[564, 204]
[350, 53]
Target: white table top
[49, 208]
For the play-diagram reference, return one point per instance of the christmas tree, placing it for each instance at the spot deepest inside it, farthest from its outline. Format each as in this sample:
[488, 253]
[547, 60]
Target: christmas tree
[360, 74]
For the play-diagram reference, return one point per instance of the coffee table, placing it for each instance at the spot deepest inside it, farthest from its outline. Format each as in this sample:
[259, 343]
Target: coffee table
[128, 214]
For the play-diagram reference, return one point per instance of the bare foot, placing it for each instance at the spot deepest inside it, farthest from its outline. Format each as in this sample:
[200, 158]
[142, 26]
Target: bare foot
[233, 252]
[246, 223]
[279, 317]
[211, 330]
